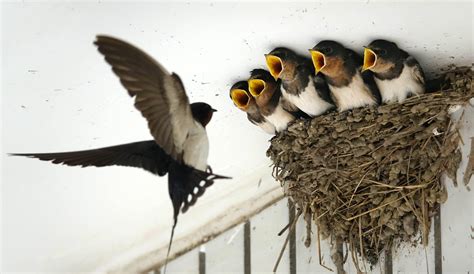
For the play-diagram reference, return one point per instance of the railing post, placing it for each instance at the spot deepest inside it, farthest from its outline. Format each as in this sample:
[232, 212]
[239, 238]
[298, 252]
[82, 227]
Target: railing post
[247, 249]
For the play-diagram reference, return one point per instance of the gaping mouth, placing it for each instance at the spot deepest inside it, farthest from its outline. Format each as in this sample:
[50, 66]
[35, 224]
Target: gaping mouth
[240, 98]
[256, 87]
[370, 59]
[275, 65]
[319, 60]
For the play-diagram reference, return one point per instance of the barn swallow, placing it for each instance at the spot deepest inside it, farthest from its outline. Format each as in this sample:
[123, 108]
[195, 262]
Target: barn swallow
[180, 144]
[266, 91]
[397, 74]
[299, 85]
[239, 93]
[341, 67]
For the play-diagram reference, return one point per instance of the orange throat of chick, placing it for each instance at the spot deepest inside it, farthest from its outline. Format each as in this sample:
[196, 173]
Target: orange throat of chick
[319, 60]
[240, 98]
[370, 59]
[275, 65]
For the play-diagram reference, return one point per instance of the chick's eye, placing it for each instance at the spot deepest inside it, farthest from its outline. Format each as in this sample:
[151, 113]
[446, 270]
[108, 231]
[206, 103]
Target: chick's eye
[328, 50]
[382, 51]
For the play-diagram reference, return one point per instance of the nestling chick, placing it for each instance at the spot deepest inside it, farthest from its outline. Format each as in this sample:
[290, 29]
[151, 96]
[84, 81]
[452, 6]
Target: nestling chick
[244, 101]
[341, 68]
[299, 85]
[397, 74]
[266, 91]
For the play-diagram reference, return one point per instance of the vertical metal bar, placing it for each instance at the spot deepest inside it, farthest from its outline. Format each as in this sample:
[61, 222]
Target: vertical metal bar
[202, 261]
[438, 256]
[247, 249]
[388, 264]
[292, 215]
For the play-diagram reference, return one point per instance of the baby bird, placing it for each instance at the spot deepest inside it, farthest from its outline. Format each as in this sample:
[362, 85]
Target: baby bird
[244, 101]
[299, 85]
[266, 91]
[397, 74]
[341, 67]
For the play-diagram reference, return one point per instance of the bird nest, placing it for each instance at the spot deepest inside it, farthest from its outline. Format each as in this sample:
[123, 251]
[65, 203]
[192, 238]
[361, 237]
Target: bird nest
[370, 177]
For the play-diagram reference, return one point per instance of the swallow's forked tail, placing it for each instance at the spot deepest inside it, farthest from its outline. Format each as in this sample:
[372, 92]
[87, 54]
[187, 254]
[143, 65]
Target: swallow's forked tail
[186, 185]
[169, 245]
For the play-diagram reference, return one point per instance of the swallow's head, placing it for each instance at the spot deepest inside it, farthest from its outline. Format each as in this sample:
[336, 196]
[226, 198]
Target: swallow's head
[202, 112]
[262, 86]
[328, 57]
[239, 93]
[281, 63]
[381, 55]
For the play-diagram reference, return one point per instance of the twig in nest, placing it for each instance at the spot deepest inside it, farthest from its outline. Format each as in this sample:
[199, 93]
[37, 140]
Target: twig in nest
[292, 226]
[398, 187]
[425, 218]
[354, 255]
[412, 207]
[284, 229]
[375, 208]
[347, 253]
[288, 225]
[319, 252]
[355, 190]
[408, 166]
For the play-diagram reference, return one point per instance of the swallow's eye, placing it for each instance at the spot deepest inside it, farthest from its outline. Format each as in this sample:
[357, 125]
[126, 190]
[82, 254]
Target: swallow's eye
[382, 51]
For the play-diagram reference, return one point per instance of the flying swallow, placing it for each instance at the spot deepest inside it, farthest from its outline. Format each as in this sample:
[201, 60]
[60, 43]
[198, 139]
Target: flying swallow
[180, 145]
[341, 67]
[242, 99]
[299, 85]
[397, 74]
[266, 91]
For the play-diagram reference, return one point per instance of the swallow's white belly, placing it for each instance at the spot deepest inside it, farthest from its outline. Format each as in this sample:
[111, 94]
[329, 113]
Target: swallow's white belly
[280, 118]
[308, 101]
[398, 89]
[196, 148]
[355, 95]
[267, 126]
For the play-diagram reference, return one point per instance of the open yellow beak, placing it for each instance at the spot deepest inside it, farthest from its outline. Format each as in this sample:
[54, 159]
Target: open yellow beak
[240, 98]
[275, 65]
[256, 87]
[370, 59]
[319, 60]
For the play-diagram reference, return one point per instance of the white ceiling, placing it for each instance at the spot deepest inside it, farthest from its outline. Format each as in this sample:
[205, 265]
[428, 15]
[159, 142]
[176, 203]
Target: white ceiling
[59, 95]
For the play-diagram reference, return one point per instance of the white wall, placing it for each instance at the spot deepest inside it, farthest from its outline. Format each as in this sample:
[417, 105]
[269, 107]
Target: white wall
[58, 95]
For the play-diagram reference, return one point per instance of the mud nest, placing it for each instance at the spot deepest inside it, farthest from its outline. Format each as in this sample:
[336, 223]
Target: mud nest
[370, 177]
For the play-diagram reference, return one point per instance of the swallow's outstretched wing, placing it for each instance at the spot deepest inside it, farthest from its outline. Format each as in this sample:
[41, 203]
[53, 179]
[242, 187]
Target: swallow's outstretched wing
[146, 155]
[159, 95]
[162, 100]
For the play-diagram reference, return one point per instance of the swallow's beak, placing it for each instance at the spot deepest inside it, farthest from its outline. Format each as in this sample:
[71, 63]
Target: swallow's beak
[319, 60]
[370, 59]
[213, 110]
[275, 65]
[240, 98]
[256, 87]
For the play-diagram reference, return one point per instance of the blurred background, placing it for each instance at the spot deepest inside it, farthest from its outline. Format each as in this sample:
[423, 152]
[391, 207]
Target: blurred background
[58, 94]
